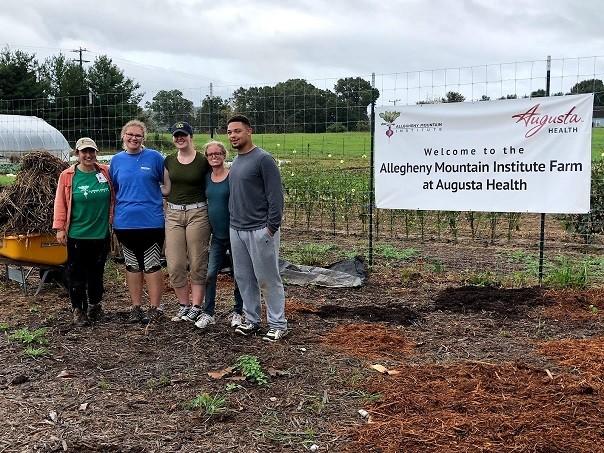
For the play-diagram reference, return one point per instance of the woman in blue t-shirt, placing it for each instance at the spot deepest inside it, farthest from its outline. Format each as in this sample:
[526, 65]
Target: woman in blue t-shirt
[137, 174]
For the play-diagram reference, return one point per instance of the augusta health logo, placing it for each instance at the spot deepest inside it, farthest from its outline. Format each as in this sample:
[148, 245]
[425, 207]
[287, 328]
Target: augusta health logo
[563, 123]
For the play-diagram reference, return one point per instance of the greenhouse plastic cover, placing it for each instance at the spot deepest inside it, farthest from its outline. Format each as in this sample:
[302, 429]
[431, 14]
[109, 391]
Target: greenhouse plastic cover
[22, 134]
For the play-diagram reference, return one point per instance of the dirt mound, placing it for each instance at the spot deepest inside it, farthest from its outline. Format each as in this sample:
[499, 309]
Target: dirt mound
[507, 302]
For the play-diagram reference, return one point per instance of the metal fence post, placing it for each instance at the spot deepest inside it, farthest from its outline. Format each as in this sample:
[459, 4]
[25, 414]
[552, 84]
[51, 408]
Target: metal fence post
[542, 228]
[371, 181]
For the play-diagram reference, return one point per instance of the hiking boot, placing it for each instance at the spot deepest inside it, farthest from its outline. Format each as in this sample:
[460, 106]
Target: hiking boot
[192, 314]
[183, 310]
[154, 314]
[274, 334]
[246, 329]
[80, 318]
[137, 315]
[95, 312]
[236, 319]
[204, 321]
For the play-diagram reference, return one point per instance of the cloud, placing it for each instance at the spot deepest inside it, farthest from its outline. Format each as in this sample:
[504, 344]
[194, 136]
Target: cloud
[187, 44]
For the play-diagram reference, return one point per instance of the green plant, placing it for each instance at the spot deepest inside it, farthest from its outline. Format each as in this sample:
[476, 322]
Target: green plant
[163, 381]
[528, 260]
[311, 254]
[4, 326]
[103, 384]
[565, 273]
[232, 387]
[409, 275]
[367, 397]
[389, 252]
[592, 308]
[486, 278]
[437, 266]
[211, 405]
[519, 279]
[249, 366]
[28, 337]
[592, 223]
[336, 127]
[34, 353]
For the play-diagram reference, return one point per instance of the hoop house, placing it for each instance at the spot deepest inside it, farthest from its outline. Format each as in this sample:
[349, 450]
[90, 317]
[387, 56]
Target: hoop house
[22, 134]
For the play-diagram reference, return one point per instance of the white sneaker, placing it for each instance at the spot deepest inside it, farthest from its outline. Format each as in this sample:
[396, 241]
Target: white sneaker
[204, 321]
[182, 311]
[236, 319]
[274, 334]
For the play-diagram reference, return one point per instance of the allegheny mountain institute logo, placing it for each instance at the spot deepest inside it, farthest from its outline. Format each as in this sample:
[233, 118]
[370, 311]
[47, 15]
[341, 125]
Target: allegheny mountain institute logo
[390, 118]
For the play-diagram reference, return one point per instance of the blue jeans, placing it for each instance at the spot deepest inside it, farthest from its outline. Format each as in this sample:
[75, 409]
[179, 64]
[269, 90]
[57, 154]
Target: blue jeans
[217, 260]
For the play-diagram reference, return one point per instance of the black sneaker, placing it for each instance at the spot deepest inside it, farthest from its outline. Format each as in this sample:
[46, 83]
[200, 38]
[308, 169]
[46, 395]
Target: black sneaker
[95, 312]
[154, 314]
[246, 329]
[80, 318]
[137, 315]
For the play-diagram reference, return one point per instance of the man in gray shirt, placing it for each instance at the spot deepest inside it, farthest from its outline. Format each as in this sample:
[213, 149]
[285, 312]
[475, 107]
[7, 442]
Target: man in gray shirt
[256, 208]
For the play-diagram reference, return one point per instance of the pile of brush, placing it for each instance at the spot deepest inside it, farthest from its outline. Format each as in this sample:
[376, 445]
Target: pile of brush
[26, 206]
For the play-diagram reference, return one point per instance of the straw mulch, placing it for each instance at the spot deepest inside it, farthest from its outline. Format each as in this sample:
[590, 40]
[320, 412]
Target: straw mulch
[481, 407]
[26, 206]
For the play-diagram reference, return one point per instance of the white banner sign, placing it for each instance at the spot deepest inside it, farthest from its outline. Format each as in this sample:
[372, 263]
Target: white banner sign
[519, 155]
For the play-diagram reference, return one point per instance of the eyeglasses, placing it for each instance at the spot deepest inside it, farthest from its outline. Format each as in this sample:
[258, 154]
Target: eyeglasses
[136, 136]
[215, 154]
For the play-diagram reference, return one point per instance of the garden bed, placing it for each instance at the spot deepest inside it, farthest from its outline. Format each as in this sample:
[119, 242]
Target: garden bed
[463, 368]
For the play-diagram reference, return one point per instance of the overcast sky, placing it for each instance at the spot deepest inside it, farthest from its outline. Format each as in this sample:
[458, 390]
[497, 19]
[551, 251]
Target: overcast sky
[186, 44]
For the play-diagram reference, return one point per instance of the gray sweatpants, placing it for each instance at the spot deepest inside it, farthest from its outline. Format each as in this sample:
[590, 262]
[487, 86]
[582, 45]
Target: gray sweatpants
[256, 268]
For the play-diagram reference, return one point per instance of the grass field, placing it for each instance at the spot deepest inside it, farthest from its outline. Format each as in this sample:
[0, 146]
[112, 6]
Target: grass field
[597, 143]
[337, 146]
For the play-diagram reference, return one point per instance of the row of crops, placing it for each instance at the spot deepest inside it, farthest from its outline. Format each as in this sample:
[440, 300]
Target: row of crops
[334, 197]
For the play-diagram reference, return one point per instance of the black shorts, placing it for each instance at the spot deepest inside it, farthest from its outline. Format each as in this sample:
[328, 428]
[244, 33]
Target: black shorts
[142, 248]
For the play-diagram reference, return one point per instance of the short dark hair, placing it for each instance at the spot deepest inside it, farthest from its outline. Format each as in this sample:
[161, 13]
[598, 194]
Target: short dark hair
[238, 118]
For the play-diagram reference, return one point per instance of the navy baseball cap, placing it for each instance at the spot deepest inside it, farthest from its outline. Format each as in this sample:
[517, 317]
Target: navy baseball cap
[181, 127]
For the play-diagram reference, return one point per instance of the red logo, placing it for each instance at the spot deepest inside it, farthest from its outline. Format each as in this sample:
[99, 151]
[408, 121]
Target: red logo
[535, 121]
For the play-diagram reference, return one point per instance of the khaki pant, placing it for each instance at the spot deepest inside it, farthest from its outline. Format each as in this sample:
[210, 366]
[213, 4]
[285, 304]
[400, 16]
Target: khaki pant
[187, 241]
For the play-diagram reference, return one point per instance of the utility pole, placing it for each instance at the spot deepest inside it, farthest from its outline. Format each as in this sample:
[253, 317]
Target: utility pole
[82, 90]
[81, 60]
[394, 101]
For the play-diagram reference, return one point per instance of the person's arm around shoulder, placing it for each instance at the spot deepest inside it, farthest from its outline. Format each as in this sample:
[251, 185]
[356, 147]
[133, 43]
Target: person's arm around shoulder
[273, 188]
[166, 185]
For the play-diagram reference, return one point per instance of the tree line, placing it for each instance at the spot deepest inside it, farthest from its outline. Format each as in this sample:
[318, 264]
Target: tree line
[97, 100]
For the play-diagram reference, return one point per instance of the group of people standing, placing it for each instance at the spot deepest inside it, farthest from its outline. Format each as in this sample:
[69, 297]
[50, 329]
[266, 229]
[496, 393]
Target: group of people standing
[191, 202]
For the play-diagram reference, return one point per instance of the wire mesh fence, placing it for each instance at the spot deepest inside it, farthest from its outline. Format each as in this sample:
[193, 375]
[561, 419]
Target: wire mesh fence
[319, 132]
